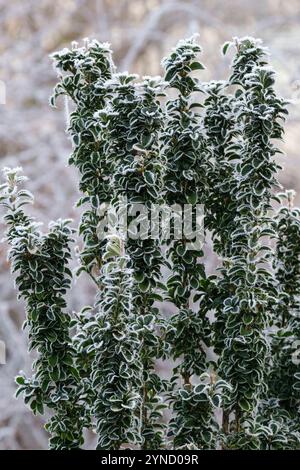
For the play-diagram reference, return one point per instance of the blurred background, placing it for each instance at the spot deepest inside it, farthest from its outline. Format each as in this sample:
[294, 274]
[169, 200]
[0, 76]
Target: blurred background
[32, 135]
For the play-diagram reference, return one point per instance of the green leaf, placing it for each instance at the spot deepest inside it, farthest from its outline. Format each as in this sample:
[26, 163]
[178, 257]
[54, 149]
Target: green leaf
[149, 177]
[145, 285]
[200, 389]
[192, 198]
[296, 386]
[20, 380]
[170, 74]
[55, 374]
[248, 318]
[225, 47]
[197, 66]
[53, 360]
[244, 405]
[76, 139]
[184, 394]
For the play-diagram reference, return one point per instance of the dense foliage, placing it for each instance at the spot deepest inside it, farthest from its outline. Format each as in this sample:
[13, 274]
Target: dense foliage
[234, 336]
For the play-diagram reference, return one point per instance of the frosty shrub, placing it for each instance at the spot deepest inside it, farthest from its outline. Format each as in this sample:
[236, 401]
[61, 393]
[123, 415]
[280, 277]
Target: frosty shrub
[232, 344]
